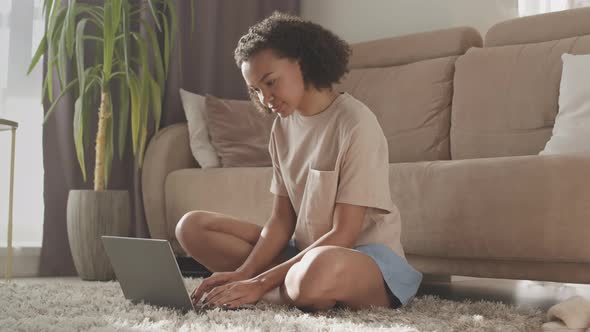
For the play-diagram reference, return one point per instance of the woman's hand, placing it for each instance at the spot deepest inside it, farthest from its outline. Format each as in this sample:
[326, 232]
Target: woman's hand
[234, 294]
[215, 280]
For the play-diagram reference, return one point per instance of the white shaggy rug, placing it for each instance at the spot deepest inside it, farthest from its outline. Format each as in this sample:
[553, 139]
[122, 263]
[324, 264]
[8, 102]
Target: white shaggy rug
[76, 305]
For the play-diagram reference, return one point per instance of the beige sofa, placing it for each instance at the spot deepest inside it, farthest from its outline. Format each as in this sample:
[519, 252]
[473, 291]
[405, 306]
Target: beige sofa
[465, 124]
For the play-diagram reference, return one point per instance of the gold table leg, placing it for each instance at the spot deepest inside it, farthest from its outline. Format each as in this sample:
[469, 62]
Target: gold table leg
[8, 272]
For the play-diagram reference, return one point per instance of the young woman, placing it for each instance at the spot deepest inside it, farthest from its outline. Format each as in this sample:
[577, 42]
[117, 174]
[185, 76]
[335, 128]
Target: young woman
[333, 238]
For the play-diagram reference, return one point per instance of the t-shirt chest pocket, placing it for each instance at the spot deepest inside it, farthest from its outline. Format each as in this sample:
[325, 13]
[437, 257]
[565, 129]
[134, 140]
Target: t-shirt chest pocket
[317, 206]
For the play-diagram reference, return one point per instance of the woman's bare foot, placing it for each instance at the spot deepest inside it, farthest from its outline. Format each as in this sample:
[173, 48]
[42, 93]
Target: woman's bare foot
[273, 297]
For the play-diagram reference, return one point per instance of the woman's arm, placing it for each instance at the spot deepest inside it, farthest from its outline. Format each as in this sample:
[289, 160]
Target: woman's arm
[347, 224]
[273, 238]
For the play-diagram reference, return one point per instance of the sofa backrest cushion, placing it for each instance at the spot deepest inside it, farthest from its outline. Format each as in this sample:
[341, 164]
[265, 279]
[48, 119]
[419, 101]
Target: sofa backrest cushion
[402, 50]
[539, 28]
[412, 104]
[407, 82]
[506, 98]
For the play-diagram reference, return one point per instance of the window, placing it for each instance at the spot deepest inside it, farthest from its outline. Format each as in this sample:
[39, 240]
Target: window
[21, 28]
[533, 7]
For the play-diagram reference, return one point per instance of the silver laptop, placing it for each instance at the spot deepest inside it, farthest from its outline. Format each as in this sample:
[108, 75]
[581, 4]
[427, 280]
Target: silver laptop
[147, 271]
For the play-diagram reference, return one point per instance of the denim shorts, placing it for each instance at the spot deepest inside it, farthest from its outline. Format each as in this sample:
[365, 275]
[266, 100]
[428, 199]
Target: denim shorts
[401, 278]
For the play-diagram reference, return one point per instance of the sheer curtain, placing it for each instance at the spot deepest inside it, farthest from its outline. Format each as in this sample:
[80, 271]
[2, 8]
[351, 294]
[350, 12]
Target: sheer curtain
[533, 7]
[21, 29]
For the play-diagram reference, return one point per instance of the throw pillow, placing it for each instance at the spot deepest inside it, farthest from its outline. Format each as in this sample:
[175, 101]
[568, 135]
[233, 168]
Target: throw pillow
[571, 131]
[239, 132]
[200, 143]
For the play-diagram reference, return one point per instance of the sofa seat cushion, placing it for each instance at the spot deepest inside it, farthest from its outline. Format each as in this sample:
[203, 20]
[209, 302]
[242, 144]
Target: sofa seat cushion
[241, 192]
[533, 208]
[529, 208]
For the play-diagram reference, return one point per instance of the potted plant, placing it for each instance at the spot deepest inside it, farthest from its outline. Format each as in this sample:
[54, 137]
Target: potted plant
[122, 61]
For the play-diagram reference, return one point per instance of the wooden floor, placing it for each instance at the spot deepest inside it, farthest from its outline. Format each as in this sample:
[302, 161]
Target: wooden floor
[538, 294]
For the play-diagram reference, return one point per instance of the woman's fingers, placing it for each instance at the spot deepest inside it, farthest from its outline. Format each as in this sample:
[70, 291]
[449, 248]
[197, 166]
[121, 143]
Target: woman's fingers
[213, 294]
[225, 298]
[199, 291]
[232, 302]
[236, 303]
[205, 286]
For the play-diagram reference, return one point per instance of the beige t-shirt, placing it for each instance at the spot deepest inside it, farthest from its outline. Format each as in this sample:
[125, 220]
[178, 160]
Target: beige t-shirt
[339, 155]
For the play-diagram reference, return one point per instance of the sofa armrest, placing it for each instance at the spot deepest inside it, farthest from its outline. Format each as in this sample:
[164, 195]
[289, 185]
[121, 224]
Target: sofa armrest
[527, 208]
[167, 151]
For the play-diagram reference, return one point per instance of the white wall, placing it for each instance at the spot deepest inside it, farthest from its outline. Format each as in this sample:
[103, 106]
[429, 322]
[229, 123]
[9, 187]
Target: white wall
[360, 20]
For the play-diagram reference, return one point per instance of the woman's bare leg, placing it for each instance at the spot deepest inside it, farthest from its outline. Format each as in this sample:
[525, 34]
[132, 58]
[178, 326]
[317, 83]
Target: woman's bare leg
[221, 242]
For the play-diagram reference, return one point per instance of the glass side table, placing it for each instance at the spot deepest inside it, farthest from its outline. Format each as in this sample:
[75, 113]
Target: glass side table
[6, 125]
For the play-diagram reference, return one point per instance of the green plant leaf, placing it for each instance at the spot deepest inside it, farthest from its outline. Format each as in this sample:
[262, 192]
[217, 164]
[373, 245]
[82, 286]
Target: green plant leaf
[156, 103]
[140, 91]
[63, 92]
[116, 12]
[146, 87]
[56, 9]
[79, 136]
[153, 10]
[54, 31]
[159, 66]
[144, 118]
[47, 6]
[80, 59]
[142, 146]
[62, 59]
[38, 53]
[137, 116]
[49, 78]
[94, 12]
[109, 41]
[126, 38]
[69, 27]
[144, 108]
[135, 111]
[166, 44]
[92, 38]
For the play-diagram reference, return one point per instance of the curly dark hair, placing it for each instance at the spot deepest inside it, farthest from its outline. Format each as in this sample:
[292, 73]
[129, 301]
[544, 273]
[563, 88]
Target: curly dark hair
[322, 55]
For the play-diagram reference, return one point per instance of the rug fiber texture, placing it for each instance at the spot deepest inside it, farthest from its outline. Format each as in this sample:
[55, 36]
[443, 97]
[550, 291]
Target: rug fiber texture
[76, 305]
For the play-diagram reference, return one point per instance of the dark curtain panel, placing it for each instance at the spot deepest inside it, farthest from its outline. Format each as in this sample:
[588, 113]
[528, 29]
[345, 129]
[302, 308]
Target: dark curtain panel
[202, 62]
[206, 62]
